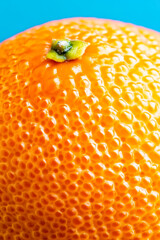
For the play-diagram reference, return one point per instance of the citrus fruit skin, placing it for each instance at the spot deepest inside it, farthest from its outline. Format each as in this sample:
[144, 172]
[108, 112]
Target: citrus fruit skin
[80, 140]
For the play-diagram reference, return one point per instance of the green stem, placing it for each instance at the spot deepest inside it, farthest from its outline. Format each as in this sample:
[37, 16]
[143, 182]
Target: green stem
[65, 49]
[62, 47]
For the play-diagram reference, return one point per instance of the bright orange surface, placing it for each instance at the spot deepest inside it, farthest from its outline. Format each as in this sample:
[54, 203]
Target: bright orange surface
[80, 140]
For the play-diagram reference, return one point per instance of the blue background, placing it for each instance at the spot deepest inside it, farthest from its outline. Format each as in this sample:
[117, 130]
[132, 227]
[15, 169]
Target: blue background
[18, 15]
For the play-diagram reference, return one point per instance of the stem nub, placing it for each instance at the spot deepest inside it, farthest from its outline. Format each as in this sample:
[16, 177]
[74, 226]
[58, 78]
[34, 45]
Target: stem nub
[65, 49]
[62, 47]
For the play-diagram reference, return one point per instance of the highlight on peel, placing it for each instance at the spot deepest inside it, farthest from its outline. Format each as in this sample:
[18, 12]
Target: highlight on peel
[80, 139]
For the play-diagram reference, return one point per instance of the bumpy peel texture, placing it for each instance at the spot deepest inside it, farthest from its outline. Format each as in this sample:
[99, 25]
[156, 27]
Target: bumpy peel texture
[80, 140]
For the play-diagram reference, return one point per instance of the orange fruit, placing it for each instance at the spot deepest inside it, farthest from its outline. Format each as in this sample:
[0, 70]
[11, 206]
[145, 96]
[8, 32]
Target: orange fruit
[80, 140]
